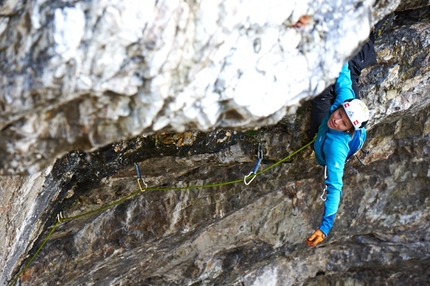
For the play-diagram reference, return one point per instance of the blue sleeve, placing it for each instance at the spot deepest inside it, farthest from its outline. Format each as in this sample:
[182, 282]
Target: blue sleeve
[343, 87]
[336, 151]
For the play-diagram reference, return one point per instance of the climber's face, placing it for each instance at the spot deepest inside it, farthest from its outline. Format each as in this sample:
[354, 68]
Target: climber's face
[339, 120]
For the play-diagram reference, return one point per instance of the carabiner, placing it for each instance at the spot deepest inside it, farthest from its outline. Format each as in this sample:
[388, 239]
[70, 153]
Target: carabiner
[260, 151]
[249, 182]
[325, 186]
[323, 193]
[60, 217]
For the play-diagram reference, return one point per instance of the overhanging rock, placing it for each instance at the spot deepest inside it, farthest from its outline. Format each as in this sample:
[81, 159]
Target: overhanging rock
[83, 74]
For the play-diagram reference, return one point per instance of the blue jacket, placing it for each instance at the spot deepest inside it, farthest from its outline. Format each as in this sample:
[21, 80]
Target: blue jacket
[331, 149]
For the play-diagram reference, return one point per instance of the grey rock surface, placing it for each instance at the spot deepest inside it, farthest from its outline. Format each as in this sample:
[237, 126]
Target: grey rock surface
[84, 74]
[69, 92]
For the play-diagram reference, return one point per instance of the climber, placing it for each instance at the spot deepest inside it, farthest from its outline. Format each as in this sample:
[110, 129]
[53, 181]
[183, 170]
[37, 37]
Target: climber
[337, 114]
[364, 58]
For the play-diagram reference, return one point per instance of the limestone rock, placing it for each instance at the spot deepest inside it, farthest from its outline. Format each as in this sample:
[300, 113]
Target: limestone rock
[68, 91]
[84, 74]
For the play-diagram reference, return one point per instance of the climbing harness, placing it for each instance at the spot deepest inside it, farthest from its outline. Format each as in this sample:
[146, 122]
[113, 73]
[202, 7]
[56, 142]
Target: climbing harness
[257, 164]
[139, 178]
[60, 218]
[324, 192]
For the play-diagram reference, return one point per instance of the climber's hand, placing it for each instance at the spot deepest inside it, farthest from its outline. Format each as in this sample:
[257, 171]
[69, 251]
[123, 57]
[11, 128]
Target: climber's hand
[315, 238]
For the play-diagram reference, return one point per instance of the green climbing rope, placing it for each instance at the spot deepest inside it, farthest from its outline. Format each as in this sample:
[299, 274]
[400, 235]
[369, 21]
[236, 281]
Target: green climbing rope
[61, 219]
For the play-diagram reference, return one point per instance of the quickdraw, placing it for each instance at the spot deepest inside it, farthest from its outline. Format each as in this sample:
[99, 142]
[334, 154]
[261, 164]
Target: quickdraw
[253, 173]
[61, 218]
[139, 179]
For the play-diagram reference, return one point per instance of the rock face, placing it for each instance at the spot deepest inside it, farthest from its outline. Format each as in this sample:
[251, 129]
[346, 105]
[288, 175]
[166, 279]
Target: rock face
[84, 74]
[178, 232]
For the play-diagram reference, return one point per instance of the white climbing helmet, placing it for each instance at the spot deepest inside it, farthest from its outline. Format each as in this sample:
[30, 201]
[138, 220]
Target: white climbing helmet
[357, 112]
